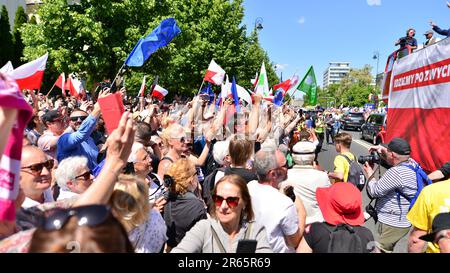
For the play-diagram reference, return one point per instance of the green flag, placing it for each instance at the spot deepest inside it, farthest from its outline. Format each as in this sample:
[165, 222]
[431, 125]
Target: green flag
[309, 86]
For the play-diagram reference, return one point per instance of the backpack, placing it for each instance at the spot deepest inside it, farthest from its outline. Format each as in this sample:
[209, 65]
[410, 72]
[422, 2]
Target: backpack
[355, 174]
[422, 181]
[344, 239]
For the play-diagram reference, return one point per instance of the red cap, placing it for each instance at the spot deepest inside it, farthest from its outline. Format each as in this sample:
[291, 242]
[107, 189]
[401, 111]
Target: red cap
[341, 203]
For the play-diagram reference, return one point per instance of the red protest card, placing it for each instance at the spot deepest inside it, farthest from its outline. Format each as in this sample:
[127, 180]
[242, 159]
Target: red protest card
[112, 109]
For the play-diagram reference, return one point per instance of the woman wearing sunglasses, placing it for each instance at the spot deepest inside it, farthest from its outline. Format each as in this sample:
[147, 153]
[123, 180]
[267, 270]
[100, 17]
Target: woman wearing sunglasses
[232, 220]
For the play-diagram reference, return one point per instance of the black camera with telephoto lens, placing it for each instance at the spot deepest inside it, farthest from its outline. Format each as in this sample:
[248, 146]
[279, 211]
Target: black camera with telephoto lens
[373, 158]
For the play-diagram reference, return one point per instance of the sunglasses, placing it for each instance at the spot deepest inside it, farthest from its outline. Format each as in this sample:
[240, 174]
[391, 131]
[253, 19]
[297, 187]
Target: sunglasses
[37, 168]
[86, 175]
[74, 119]
[232, 202]
[92, 215]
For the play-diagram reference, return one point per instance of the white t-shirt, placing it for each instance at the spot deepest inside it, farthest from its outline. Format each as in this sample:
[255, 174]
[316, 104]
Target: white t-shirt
[305, 181]
[276, 212]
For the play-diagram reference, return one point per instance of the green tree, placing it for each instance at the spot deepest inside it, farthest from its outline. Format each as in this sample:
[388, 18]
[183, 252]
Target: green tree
[6, 44]
[32, 20]
[20, 19]
[354, 89]
[96, 36]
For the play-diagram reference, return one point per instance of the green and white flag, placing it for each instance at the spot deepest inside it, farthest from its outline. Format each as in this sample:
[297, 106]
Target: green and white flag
[262, 86]
[309, 86]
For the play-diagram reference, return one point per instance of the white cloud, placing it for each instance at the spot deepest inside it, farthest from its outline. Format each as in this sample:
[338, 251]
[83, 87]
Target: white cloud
[374, 2]
[302, 20]
[281, 66]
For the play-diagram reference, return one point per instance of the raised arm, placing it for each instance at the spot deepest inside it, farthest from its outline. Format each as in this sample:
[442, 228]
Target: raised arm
[119, 148]
[254, 114]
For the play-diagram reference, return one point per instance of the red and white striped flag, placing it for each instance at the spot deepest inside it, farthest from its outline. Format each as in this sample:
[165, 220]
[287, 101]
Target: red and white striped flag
[214, 74]
[143, 87]
[29, 75]
[159, 92]
[74, 85]
[61, 83]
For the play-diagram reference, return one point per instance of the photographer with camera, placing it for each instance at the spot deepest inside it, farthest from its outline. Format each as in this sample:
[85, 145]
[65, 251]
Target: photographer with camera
[392, 191]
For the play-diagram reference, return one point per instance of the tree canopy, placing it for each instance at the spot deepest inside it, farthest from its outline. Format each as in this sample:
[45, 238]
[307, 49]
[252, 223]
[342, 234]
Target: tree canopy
[95, 37]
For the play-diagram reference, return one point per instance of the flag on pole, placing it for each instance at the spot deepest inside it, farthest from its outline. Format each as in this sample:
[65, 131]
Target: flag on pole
[262, 86]
[161, 36]
[309, 86]
[74, 85]
[159, 92]
[29, 75]
[61, 83]
[286, 85]
[215, 74]
[277, 99]
[142, 90]
[207, 91]
[7, 68]
[234, 93]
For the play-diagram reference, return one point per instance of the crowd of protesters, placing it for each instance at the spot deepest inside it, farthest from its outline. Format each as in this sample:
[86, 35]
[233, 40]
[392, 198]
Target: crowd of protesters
[189, 176]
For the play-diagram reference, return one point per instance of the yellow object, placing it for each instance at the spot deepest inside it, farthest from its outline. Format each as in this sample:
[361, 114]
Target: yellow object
[341, 164]
[432, 200]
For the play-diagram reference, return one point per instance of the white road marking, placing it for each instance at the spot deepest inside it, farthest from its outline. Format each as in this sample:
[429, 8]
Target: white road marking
[363, 143]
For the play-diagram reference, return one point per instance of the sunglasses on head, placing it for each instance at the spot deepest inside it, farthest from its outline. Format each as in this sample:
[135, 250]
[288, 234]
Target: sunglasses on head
[232, 202]
[86, 175]
[37, 168]
[74, 119]
[92, 215]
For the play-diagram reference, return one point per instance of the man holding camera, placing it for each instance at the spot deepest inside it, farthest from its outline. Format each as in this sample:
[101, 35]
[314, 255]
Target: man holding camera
[392, 207]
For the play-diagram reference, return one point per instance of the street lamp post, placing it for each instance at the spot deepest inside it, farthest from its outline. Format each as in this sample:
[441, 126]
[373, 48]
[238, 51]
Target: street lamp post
[376, 55]
[258, 24]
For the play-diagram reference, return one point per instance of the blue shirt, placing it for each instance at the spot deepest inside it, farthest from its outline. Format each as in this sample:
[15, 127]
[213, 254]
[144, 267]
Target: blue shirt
[442, 31]
[79, 143]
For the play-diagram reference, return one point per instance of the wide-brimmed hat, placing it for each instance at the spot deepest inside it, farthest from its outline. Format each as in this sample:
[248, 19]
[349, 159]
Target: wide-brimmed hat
[341, 204]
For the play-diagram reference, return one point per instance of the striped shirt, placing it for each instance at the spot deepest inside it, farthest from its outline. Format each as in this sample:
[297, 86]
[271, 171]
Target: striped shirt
[401, 178]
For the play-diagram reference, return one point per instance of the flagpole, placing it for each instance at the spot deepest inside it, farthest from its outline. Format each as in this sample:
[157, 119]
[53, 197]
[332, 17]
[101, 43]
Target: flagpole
[200, 87]
[117, 75]
[51, 89]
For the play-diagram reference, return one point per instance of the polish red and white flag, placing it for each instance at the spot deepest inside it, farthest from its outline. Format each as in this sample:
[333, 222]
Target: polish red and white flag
[159, 92]
[29, 75]
[215, 74]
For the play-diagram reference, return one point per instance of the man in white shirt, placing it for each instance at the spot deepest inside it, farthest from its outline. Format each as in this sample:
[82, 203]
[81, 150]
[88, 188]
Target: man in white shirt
[35, 176]
[283, 219]
[305, 179]
[55, 128]
[73, 177]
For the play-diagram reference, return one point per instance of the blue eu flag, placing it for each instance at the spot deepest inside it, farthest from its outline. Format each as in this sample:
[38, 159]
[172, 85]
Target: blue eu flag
[235, 95]
[160, 37]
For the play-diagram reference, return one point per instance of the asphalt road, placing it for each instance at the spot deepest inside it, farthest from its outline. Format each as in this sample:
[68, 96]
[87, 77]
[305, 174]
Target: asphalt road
[359, 147]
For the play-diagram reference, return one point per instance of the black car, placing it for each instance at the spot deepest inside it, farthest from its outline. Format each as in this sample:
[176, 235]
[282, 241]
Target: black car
[372, 127]
[352, 120]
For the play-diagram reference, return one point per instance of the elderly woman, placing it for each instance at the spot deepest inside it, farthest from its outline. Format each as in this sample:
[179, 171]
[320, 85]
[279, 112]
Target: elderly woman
[174, 139]
[145, 226]
[231, 220]
[183, 208]
[73, 177]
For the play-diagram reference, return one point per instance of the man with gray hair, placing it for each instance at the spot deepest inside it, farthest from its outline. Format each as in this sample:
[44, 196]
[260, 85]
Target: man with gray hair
[305, 179]
[391, 189]
[283, 219]
[73, 177]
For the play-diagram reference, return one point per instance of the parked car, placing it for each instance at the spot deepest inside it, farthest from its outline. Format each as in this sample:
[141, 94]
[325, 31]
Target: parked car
[353, 120]
[374, 129]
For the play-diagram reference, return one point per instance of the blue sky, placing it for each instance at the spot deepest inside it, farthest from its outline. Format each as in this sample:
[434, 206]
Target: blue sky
[300, 33]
